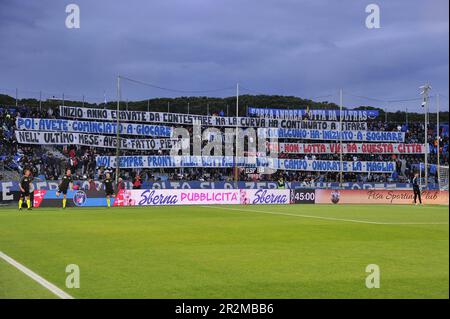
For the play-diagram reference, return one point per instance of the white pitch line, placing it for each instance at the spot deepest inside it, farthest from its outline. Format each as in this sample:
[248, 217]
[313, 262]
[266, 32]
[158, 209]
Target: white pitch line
[326, 218]
[43, 282]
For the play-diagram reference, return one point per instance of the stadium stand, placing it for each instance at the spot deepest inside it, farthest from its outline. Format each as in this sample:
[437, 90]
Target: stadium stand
[50, 162]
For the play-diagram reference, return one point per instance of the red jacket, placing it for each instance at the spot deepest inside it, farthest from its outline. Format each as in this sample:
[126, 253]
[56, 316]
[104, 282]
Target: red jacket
[137, 183]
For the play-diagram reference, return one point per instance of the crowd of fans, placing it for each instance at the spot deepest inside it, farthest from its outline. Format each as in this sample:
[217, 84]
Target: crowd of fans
[50, 162]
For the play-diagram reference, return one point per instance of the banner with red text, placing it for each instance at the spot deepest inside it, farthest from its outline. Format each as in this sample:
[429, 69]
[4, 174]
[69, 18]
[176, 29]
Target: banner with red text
[352, 148]
[328, 196]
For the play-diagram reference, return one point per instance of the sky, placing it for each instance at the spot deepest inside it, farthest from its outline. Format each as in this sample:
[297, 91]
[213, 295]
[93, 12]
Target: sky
[309, 48]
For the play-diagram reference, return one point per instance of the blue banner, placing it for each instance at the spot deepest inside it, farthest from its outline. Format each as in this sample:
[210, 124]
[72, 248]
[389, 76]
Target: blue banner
[78, 198]
[315, 115]
[59, 125]
[333, 135]
[247, 162]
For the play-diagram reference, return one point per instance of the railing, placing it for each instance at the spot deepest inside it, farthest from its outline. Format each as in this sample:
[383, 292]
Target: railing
[7, 174]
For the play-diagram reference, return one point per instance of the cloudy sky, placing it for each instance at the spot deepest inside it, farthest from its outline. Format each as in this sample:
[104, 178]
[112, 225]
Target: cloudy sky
[307, 48]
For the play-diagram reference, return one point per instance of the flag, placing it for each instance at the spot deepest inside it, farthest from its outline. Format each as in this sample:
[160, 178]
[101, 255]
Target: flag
[306, 114]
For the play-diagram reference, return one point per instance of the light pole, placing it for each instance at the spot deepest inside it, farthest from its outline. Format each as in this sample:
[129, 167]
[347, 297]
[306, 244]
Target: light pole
[117, 131]
[340, 137]
[425, 95]
[406, 115]
[236, 172]
[438, 105]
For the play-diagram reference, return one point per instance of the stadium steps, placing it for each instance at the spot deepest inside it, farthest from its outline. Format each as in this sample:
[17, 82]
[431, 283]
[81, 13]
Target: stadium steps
[54, 151]
[9, 175]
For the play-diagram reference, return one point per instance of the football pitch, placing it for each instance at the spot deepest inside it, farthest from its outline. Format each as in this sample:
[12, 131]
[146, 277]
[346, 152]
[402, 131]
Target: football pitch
[264, 251]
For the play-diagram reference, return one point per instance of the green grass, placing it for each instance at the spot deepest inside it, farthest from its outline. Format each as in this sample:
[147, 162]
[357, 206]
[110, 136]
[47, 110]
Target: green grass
[198, 252]
[15, 285]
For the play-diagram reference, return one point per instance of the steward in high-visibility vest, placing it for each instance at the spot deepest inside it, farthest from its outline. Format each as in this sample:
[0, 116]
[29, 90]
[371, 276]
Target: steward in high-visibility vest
[280, 183]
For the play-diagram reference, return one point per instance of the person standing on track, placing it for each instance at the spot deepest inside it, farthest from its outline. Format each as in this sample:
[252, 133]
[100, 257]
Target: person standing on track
[67, 181]
[416, 188]
[109, 189]
[24, 186]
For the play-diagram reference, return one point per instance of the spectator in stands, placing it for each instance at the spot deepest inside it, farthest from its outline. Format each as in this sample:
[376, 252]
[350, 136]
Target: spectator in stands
[120, 184]
[137, 182]
[91, 184]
